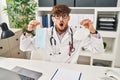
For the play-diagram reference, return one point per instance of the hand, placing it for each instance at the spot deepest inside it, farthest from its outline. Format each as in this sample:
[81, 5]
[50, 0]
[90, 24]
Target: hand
[88, 24]
[32, 25]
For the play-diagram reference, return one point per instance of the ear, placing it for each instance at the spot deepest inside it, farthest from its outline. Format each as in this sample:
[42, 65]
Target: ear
[68, 18]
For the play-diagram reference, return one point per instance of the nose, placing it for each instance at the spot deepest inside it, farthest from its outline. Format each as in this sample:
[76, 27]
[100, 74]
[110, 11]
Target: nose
[61, 18]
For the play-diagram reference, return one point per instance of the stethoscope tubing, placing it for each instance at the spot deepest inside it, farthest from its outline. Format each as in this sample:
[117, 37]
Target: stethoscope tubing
[71, 46]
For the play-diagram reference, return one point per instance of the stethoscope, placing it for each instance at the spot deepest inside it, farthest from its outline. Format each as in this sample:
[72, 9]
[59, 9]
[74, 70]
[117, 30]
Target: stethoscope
[53, 42]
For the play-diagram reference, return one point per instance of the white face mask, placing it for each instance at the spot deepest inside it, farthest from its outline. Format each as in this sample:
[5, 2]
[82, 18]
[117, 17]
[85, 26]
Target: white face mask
[81, 33]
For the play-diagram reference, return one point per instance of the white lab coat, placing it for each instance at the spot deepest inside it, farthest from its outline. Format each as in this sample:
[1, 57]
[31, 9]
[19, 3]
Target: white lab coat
[81, 38]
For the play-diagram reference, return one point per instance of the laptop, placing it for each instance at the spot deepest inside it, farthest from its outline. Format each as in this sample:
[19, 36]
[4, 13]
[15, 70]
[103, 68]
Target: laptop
[19, 73]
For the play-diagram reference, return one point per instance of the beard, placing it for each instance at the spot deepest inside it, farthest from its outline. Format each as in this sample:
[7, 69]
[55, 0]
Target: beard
[62, 28]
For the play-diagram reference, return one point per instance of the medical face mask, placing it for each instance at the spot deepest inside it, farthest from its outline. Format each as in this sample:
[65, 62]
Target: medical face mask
[40, 37]
[81, 34]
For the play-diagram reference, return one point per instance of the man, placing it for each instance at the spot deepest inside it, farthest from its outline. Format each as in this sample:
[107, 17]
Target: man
[63, 43]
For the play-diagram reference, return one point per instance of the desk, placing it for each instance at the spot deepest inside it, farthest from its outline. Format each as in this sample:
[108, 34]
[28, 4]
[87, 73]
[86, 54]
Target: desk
[48, 68]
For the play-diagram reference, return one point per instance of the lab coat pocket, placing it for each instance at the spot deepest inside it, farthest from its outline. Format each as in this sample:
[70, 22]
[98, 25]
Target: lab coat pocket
[64, 50]
[60, 55]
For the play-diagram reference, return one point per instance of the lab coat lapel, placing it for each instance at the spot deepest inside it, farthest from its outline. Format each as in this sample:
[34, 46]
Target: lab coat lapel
[55, 36]
[67, 37]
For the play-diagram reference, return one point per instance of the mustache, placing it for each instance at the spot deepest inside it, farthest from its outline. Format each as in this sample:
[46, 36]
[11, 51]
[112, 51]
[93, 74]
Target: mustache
[61, 22]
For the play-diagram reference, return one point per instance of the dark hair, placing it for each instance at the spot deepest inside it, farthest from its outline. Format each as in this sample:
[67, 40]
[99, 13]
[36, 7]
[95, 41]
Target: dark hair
[61, 9]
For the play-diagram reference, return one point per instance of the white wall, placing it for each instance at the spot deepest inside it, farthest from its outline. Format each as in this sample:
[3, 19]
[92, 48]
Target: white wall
[117, 60]
[3, 14]
[0, 13]
[118, 4]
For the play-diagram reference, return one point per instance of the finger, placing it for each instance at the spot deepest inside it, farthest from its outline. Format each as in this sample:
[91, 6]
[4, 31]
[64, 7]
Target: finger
[31, 22]
[30, 27]
[34, 22]
[83, 21]
[86, 21]
[37, 23]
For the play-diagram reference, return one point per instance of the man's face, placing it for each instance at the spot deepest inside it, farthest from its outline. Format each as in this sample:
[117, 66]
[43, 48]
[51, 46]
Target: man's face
[61, 22]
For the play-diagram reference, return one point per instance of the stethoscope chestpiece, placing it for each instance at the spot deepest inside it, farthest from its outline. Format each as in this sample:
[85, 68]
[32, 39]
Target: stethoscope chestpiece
[73, 49]
[55, 53]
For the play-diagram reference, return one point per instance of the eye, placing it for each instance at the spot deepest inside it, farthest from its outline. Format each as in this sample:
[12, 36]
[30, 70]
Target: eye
[64, 15]
[57, 16]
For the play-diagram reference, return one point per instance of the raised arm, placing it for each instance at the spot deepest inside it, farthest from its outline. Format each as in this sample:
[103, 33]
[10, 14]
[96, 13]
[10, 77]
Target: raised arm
[94, 43]
[27, 43]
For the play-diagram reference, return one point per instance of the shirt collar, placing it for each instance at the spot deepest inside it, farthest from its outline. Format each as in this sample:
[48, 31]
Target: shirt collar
[60, 36]
[67, 31]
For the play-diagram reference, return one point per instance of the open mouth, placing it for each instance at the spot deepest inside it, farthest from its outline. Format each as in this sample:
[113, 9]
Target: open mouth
[61, 24]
